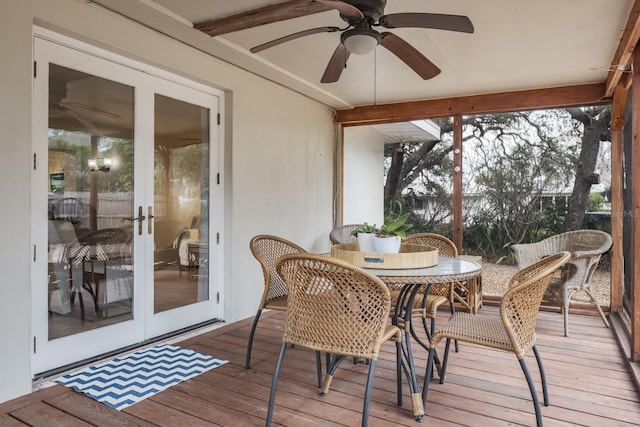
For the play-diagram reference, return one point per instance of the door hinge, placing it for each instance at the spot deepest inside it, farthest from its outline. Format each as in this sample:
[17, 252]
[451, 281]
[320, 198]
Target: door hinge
[218, 118]
[217, 238]
[35, 69]
[218, 178]
[34, 253]
[217, 297]
[34, 345]
[34, 161]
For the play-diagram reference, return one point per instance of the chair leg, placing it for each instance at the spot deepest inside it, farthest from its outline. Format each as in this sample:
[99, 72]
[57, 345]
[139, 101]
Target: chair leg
[566, 303]
[543, 378]
[453, 311]
[319, 367]
[565, 317]
[247, 363]
[399, 371]
[532, 389]
[443, 371]
[427, 377]
[597, 304]
[331, 369]
[367, 393]
[274, 384]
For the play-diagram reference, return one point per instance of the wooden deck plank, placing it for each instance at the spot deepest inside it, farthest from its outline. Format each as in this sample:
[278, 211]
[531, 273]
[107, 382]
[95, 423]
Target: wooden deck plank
[41, 414]
[163, 415]
[589, 384]
[92, 411]
[8, 421]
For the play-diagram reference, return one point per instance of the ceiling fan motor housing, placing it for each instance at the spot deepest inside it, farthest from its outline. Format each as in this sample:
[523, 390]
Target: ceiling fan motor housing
[371, 9]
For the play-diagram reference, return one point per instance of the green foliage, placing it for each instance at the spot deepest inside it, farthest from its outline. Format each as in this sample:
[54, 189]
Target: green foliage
[190, 163]
[395, 226]
[595, 202]
[365, 228]
[516, 166]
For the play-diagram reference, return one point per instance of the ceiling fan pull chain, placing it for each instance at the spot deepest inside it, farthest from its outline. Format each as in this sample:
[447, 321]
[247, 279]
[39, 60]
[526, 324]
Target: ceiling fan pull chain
[375, 78]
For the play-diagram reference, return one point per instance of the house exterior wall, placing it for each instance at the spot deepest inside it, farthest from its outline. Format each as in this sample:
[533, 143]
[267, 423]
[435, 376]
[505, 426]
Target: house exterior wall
[277, 174]
[363, 172]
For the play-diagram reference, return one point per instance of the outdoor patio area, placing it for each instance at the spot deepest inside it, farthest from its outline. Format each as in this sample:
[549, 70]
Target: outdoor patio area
[589, 384]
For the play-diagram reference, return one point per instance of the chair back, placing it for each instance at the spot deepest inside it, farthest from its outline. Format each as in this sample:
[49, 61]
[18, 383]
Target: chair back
[166, 233]
[267, 250]
[445, 246]
[68, 208]
[334, 307]
[578, 242]
[107, 244]
[586, 247]
[342, 234]
[520, 304]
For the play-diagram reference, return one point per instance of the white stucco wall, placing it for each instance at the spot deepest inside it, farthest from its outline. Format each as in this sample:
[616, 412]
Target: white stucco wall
[363, 176]
[278, 171]
[15, 142]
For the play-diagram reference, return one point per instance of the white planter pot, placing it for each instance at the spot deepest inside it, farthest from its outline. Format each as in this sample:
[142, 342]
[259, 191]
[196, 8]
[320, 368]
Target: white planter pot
[387, 245]
[365, 242]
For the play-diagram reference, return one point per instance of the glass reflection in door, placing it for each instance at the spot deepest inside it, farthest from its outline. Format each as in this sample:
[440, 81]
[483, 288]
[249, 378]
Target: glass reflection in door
[90, 199]
[181, 204]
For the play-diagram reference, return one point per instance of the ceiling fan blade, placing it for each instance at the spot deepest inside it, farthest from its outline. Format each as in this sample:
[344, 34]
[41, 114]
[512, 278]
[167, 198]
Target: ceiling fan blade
[263, 15]
[337, 63]
[345, 9]
[293, 36]
[410, 56]
[427, 20]
[275, 13]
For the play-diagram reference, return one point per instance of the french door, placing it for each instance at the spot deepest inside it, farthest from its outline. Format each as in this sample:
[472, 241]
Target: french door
[125, 210]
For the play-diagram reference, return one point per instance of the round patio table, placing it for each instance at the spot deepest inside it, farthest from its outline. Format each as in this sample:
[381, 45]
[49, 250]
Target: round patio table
[411, 280]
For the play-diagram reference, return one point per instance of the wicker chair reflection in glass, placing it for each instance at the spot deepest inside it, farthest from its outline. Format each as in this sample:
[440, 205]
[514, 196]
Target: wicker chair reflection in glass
[267, 249]
[513, 331]
[338, 309]
[93, 253]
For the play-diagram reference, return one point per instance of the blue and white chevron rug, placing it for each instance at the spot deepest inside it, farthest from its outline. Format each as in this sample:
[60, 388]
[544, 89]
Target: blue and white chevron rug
[124, 381]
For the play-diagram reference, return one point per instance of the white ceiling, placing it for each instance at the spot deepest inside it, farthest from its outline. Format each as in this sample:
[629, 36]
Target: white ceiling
[517, 45]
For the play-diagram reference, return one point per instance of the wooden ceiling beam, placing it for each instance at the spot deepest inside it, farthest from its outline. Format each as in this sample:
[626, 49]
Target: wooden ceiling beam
[622, 59]
[568, 96]
[261, 16]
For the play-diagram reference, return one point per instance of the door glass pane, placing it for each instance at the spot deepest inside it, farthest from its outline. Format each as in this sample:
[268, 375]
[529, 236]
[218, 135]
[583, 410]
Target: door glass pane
[90, 201]
[181, 206]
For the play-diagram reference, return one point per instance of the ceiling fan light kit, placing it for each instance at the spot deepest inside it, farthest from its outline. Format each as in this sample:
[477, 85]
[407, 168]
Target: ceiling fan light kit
[359, 37]
[360, 41]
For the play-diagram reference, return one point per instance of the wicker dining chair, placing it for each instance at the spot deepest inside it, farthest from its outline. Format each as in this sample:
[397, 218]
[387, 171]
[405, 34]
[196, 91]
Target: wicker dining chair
[586, 247]
[342, 234]
[338, 309]
[91, 254]
[267, 250]
[513, 331]
[440, 293]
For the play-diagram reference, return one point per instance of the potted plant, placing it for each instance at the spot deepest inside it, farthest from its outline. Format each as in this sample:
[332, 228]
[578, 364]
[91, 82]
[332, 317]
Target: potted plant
[390, 235]
[365, 234]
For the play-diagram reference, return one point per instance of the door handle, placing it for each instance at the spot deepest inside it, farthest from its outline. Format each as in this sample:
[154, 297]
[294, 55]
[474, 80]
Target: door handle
[139, 218]
[150, 223]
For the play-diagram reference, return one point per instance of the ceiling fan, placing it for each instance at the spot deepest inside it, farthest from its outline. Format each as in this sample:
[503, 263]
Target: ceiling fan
[358, 37]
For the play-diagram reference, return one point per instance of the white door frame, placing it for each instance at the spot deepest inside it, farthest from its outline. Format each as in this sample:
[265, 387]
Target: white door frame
[51, 354]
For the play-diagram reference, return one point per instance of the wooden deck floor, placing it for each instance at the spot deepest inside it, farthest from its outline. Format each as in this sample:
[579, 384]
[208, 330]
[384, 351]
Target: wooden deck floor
[589, 384]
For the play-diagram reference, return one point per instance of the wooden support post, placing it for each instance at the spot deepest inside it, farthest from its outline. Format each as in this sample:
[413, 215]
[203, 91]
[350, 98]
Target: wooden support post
[617, 202]
[338, 179]
[457, 181]
[635, 212]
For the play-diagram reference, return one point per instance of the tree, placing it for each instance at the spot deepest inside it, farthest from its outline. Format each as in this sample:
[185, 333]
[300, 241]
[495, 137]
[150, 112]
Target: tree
[519, 157]
[596, 122]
